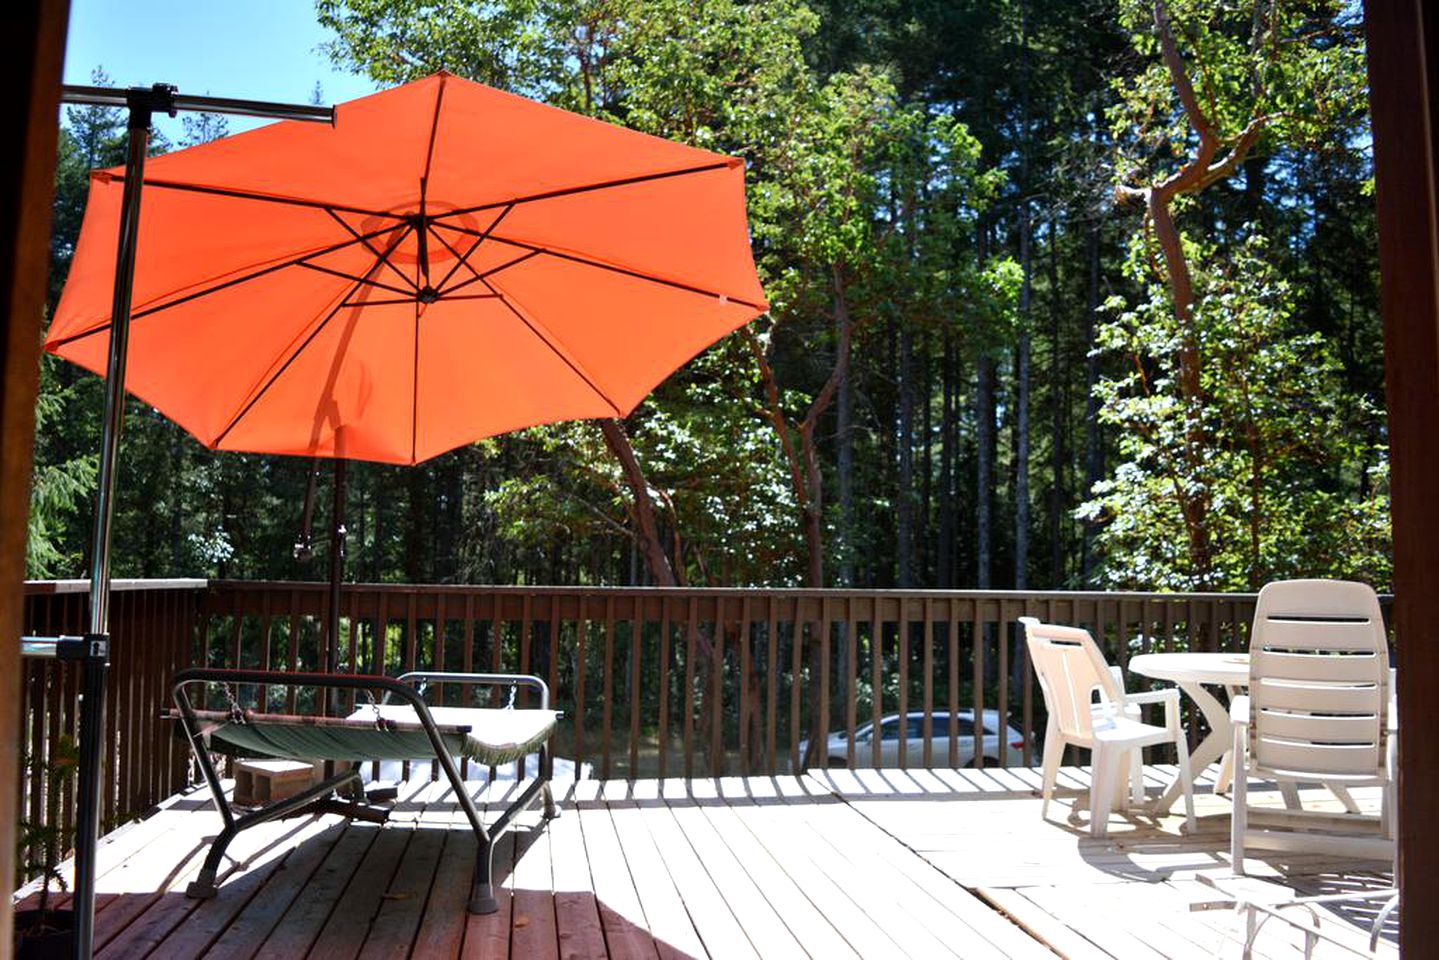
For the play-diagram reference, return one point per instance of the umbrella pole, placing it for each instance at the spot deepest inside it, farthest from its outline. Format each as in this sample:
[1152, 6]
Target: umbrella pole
[95, 659]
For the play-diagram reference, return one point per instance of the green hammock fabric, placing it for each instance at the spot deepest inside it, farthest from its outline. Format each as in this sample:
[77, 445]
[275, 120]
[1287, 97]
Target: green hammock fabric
[393, 732]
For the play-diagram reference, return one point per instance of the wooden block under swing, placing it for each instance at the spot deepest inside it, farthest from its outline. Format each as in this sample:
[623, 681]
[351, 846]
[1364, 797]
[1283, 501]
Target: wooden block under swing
[258, 782]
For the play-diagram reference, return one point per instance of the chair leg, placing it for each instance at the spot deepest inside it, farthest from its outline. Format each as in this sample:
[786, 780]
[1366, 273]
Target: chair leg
[1239, 795]
[1053, 751]
[1136, 777]
[1101, 790]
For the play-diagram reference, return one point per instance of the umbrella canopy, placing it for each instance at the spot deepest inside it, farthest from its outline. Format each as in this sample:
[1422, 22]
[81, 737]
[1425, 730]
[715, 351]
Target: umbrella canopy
[448, 262]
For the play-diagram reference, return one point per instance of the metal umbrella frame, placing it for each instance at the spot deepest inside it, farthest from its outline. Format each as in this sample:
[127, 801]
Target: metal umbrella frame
[92, 650]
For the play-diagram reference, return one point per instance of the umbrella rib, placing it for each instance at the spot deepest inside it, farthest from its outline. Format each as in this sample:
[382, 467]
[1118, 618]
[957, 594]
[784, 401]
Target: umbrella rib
[223, 285]
[480, 277]
[574, 367]
[407, 294]
[430, 149]
[261, 197]
[383, 257]
[589, 188]
[465, 259]
[601, 265]
[270, 381]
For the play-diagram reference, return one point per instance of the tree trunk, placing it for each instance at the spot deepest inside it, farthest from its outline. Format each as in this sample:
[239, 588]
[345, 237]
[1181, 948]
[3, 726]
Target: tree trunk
[1021, 410]
[844, 464]
[1093, 451]
[944, 573]
[647, 537]
[1059, 415]
[904, 505]
[984, 472]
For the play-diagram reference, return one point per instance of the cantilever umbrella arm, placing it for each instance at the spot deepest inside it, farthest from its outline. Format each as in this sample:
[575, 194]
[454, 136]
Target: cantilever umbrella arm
[93, 650]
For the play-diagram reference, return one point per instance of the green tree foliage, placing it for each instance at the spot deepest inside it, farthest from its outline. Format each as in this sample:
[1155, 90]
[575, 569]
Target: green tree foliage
[1285, 439]
[1220, 387]
[932, 200]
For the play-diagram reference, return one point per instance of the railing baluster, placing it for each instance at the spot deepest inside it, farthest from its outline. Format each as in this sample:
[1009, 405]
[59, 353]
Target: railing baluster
[876, 680]
[903, 684]
[607, 691]
[771, 681]
[927, 658]
[636, 697]
[952, 639]
[976, 633]
[664, 694]
[691, 640]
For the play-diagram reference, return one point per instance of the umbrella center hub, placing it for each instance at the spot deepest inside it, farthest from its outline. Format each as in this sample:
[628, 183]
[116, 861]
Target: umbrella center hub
[427, 294]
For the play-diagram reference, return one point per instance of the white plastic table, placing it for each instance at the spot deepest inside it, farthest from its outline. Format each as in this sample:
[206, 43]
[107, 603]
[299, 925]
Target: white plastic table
[1192, 672]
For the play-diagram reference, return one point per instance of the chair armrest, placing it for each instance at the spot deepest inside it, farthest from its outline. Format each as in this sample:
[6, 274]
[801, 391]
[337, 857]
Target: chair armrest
[1153, 696]
[1239, 711]
[422, 678]
[1168, 696]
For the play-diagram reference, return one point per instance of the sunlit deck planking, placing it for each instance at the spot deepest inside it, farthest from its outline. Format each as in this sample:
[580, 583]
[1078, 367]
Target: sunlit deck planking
[841, 864]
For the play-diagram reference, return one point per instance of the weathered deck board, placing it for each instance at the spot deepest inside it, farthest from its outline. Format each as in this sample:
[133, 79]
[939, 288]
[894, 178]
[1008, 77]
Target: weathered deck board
[864, 863]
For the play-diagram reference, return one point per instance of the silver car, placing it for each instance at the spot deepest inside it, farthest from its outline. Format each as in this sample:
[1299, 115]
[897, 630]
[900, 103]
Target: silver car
[889, 741]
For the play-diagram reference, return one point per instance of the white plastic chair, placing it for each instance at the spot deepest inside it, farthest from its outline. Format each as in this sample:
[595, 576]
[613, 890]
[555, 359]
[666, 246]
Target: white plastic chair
[1071, 670]
[1318, 710]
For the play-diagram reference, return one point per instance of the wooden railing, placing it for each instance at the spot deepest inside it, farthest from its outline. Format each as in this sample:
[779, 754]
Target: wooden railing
[153, 626]
[699, 682]
[653, 682]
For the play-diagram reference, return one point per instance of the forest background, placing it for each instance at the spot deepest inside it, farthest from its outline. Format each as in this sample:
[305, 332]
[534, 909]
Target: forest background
[1065, 293]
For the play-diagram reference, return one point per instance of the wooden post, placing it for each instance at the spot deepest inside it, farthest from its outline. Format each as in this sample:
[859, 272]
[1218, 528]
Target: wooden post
[32, 49]
[1403, 39]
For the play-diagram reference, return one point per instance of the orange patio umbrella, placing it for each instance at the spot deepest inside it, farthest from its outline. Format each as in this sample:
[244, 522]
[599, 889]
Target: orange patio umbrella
[448, 262]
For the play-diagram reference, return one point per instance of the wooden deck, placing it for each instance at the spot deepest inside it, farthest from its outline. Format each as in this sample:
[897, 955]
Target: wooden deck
[842, 864]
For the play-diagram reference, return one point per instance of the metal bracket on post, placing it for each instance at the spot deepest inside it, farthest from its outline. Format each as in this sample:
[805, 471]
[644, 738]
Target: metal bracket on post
[91, 648]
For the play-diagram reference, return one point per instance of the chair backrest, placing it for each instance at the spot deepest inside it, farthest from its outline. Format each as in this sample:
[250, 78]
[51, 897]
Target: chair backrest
[1318, 679]
[1070, 669]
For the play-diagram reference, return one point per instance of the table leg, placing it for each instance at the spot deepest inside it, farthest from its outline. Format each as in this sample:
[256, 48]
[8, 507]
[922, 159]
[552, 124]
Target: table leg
[1226, 767]
[1214, 746]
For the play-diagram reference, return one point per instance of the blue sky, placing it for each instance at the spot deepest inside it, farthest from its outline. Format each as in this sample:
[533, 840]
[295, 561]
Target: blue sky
[252, 49]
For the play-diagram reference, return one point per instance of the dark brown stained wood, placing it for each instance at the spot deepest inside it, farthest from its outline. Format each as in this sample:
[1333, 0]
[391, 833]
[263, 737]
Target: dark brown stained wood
[851, 679]
[714, 696]
[952, 627]
[876, 681]
[1403, 47]
[691, 648]
[796, 685]
[637, 648]
[582, 630]
[976, 634]
[607, 691]
[32, 52]
[663, 722]
[771, 750]
[746, 701]
[821, 728]
[902, 637]
[927, 683]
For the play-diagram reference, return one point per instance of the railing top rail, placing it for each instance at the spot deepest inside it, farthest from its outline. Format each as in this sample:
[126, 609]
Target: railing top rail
[43, 587]
[453, 588]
